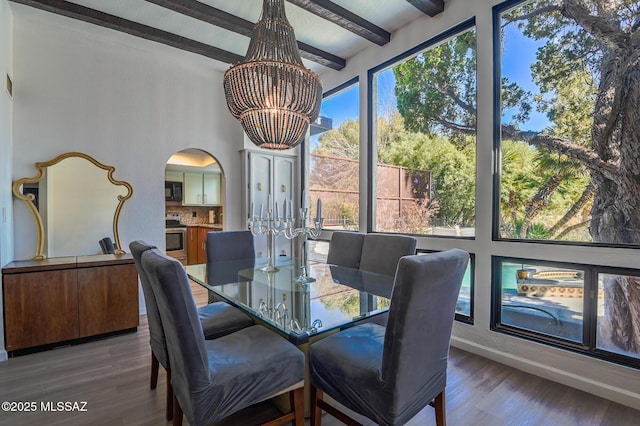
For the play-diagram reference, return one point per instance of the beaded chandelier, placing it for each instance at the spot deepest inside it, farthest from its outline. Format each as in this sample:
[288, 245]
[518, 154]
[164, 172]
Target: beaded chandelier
[272, 94]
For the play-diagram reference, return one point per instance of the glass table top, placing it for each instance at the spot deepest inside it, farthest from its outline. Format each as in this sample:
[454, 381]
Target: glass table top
[335, 297]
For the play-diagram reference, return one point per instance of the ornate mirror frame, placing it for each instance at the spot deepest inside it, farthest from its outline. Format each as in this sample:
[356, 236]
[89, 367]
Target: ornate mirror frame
[30, 198]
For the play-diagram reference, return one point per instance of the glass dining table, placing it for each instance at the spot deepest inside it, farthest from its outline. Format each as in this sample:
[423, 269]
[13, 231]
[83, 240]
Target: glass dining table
[330, 298]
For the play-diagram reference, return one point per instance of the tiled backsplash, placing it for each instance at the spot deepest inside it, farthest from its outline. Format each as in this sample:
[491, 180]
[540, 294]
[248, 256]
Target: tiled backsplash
[201, 214]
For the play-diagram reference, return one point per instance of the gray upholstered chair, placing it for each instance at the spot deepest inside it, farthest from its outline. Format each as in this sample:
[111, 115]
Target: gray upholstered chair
[212, 379]
[235, 249]
[381, 252]
[390, 374]
[216, 320]
[345, 249]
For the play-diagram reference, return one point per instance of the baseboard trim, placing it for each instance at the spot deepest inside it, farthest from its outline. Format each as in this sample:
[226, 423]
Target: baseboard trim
[603, 390]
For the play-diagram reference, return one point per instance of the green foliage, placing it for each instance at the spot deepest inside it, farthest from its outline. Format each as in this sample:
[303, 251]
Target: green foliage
[452, 172]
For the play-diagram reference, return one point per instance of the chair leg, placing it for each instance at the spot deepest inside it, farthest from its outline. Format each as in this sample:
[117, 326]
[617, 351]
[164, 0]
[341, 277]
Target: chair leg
[439, 405]
[170, 397]
[177, 412]
[316, 411]
[296, 397]
[155, 366]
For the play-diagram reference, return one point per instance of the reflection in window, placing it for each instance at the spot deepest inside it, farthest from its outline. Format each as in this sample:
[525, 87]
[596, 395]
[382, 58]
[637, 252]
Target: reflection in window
[543, 299]
[334, 173]
[425, 135]
[616, 331]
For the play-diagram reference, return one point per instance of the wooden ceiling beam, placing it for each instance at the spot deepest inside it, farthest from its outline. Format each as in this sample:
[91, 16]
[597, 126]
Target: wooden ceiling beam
[82, 13]
[428, 7]
[345, 19]
[222, 19]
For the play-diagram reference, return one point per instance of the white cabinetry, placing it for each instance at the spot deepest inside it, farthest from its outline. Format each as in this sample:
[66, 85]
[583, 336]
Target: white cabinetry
[202, 189]
[275, 175]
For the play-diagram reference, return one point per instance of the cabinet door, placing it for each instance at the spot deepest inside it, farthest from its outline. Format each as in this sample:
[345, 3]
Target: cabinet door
[107, 299]
[192, 188]
[283, 181]
[40, 308]
[211, 184]
[270, 175]
[192, 245]
[202, 244]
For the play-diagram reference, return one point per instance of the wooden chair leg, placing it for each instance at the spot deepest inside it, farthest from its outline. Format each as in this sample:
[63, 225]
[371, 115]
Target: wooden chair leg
[170, 397]
[177, 412]
[296, 398]
[316, 411]
[439, 405]
[155, 366]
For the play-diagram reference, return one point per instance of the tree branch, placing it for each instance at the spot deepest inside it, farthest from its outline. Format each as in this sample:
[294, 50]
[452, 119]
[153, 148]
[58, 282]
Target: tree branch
[597, 26]
[455, 126]
[532, 14]
[587, 157]
[573, 228]
[462, 104]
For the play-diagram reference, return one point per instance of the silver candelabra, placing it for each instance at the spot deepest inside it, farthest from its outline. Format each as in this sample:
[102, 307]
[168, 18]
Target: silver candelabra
[273, 224]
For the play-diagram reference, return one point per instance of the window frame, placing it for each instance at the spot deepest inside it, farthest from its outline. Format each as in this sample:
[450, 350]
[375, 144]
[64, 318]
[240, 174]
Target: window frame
[371, 117]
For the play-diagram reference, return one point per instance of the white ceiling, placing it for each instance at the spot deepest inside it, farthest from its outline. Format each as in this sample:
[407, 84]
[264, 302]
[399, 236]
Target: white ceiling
[318, 32]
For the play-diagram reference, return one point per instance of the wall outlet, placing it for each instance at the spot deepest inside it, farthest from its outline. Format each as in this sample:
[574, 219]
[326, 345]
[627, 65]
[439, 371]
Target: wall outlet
[194, 214]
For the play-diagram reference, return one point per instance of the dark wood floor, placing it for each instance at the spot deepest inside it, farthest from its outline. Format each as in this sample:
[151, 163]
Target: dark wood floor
[112, 376]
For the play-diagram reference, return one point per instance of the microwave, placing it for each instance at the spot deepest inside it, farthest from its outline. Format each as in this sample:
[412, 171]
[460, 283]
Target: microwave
[173, 191]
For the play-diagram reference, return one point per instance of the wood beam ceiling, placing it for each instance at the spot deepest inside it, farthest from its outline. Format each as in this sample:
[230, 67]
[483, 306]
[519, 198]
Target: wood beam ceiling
[222, 19]
[429, 7]
[346, 19]
[201, 11]
[82, 13]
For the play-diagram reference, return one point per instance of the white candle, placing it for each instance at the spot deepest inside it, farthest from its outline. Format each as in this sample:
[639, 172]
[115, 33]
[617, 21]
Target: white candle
[284, 209]
[269, 204]
[261, 210]
[276, 210]
[319, 209]
[290, 209]
[305, 199]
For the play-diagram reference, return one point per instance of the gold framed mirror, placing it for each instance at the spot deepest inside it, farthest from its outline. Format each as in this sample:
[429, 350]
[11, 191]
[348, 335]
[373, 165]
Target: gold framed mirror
[74, 199]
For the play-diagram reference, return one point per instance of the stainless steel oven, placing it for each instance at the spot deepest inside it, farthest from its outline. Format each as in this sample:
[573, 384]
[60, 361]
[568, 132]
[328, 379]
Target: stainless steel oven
[176, 243]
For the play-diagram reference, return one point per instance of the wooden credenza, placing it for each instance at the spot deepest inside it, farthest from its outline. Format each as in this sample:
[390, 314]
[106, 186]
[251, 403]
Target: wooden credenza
[67, 298]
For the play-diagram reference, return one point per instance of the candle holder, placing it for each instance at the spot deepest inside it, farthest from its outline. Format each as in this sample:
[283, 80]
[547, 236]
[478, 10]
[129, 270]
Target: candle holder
[273, 225]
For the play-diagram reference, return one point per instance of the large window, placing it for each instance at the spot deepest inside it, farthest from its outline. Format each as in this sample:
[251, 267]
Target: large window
[334, 174]
[569, 122]
[569, 305]
[568, 95]
[425, 138]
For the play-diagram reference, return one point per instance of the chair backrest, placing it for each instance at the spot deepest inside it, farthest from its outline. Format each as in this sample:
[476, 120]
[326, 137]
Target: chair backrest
[235, 249]
[418, 333]
[345, 249]
[156, 332]
[179, 315]
[381, 252]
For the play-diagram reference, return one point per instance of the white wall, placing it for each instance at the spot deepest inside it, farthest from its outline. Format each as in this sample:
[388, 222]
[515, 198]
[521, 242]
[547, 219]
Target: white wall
[6, 114]
[609, 380]
[128, 103]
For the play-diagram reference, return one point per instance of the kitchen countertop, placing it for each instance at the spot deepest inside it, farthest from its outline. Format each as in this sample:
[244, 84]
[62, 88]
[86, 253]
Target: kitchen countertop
[204, 225]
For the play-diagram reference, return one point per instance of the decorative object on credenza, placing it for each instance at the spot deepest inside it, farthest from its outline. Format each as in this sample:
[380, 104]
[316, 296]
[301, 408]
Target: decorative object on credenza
[271, 92]
[273, 224]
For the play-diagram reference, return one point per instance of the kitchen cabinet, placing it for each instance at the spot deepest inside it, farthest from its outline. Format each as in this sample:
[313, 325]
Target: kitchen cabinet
[197, 243]
[62, 299]
[267, 175]
[202, 189]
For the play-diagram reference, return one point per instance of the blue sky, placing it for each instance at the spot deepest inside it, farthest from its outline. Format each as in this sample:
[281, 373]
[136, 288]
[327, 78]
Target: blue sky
[519, 52]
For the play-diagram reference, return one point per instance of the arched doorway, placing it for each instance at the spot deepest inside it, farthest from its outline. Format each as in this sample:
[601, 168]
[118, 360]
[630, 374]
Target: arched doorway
[194, 203]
